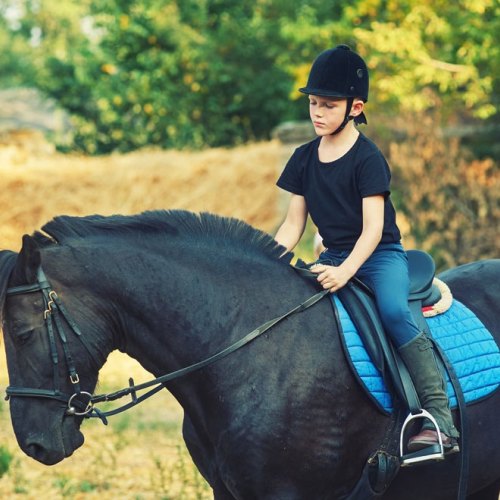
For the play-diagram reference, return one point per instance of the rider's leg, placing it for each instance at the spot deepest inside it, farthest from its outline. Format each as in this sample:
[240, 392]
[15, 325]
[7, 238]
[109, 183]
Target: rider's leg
[419, 358]
[386, 272]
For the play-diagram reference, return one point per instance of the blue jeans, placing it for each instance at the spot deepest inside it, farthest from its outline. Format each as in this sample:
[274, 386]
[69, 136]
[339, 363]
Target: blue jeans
[386, 273]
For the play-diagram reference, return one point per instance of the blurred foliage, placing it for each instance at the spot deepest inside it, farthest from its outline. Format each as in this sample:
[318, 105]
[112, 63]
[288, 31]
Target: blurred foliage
[447, 199]
[5, 460]
[196, 73]
[16, 66]
[432, 53]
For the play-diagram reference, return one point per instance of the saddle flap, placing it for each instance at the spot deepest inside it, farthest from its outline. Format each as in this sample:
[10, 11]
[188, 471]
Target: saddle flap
[363, 312]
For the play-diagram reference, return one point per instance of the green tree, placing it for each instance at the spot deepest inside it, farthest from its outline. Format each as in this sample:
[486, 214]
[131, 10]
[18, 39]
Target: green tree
[431, 53]
[174, 74]
[192, 73]
[16, 66]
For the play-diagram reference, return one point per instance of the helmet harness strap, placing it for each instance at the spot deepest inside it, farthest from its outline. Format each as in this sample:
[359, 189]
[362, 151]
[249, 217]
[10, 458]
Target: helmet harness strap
[347, 117]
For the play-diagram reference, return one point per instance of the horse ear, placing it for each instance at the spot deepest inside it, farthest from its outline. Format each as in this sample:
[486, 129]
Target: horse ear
[29, 258]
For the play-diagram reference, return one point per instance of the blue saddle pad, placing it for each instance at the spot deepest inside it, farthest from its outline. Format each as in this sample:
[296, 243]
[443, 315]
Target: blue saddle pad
[468, 345]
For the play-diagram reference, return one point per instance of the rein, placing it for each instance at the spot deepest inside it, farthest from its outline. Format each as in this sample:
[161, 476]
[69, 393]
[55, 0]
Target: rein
[54, 310]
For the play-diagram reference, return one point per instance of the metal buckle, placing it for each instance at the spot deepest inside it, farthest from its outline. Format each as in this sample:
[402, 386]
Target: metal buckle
[50, 303]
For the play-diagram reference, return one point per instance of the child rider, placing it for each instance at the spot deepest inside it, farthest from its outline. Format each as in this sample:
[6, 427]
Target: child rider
[342, 180]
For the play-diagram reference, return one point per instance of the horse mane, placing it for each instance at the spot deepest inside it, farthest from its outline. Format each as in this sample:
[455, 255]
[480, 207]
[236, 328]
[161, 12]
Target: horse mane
[156, 226]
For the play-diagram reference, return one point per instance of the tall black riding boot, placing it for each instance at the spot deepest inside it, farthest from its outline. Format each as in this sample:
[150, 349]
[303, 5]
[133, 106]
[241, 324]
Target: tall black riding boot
[418, 356]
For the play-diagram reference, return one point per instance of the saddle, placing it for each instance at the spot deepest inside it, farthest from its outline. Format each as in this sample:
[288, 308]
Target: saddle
[359, 301]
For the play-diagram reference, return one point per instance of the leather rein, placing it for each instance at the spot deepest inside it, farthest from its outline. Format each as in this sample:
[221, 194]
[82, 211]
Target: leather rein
[82, 403]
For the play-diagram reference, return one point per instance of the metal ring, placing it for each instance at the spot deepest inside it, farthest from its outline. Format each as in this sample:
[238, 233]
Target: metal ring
[88, 409]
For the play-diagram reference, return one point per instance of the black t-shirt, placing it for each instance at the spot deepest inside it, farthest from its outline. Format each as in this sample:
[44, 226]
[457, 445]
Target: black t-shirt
[334, 191]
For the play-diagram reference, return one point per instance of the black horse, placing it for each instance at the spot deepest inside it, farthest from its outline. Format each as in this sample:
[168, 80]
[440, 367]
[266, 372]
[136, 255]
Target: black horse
[282, 418]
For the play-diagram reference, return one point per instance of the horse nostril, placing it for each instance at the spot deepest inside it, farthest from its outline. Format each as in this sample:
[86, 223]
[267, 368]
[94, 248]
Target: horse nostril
[43, 454]
[36, 451]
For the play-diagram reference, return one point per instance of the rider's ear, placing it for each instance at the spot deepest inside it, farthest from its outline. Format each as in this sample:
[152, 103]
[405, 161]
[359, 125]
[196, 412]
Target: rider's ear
[29, 258]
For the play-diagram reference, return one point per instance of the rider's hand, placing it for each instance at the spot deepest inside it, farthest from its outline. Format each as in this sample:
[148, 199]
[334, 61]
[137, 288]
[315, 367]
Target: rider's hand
[330, 277]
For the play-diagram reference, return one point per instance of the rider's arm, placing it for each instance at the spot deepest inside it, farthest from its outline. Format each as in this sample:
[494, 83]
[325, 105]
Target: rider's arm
[294, 224]
[373, 225]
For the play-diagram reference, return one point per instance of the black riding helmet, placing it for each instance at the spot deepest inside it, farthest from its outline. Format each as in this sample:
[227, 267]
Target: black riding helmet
[339, 72]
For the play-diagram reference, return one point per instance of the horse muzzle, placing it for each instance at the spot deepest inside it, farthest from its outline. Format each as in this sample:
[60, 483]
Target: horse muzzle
[46, 436]
[50, 450]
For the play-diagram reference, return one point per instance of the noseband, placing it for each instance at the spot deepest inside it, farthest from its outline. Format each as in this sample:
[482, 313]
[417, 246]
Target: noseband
[82, 403]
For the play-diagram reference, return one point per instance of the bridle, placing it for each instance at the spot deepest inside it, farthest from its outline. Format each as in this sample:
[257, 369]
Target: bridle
[54, 314]
[82, 403]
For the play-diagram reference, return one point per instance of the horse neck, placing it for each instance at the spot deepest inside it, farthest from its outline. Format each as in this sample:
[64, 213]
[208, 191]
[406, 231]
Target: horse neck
[195, 305]
[178, 312]
[201, 310]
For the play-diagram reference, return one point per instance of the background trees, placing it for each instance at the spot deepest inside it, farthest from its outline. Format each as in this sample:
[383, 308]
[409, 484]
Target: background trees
[203, 73]
[196, 73]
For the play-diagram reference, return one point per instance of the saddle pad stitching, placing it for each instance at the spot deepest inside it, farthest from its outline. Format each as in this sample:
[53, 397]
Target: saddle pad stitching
[477, 378]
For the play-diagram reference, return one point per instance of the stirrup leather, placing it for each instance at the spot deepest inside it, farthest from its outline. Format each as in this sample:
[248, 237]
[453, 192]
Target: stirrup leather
[434, 452]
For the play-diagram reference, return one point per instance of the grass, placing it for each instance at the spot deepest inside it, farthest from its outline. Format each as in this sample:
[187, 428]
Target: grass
[236, 182]
[5, 460]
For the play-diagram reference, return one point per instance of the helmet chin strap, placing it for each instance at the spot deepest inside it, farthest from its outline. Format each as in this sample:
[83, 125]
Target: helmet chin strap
[347, 117]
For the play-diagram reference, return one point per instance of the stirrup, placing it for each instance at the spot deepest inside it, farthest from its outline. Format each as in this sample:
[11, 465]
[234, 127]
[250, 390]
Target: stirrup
[434, 452]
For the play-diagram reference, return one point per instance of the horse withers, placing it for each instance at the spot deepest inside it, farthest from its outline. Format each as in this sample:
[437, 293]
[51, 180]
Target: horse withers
[282, 418]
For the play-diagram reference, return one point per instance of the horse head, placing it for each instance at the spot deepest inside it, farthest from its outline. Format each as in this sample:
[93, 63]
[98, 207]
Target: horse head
[51, 371]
